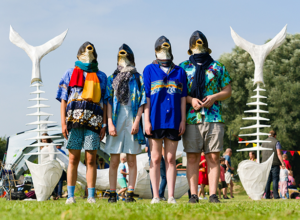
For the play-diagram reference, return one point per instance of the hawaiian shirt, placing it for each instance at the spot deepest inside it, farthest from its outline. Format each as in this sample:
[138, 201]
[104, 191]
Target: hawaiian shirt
[137, 97]
[79, 112]
[216, 78]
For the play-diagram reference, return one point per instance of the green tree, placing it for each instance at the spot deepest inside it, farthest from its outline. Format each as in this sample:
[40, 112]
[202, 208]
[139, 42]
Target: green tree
[2, 146]
[282, 84]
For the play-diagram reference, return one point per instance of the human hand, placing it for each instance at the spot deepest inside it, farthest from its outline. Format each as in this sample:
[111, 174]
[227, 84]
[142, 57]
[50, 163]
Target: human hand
[112, 130]
[209, 101]
[197, 104]
[181, 128]
[148, 127]
[135, 128]
[64, 131]
[102, 133]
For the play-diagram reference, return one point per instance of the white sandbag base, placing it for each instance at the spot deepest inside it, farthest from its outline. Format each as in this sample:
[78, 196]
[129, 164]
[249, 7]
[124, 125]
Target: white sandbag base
[254, 176]
[142, 186]
[45, 177]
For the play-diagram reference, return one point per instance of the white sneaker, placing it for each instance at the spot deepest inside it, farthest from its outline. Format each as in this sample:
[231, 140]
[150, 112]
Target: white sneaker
[155, 200]
[205, 198]
[200, 198]
[91, 200]
[171, 200]
[70, 200]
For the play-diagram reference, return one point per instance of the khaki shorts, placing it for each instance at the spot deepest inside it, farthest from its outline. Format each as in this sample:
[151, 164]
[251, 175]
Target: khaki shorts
[207, 136]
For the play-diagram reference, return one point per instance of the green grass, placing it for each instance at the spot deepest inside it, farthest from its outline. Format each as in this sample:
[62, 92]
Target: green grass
[241, 207]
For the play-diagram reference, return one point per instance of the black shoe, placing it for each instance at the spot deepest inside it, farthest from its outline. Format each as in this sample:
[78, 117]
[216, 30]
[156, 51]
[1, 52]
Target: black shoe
[194, 199]
[112, 197]
[214, 199]
[129, 197]
[225, 197]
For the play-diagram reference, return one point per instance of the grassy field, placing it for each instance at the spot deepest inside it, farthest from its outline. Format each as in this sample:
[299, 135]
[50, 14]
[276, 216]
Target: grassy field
[241, 207]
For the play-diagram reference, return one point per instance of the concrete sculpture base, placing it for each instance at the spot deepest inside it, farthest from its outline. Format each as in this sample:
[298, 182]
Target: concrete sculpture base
[45, 177]
[254, 176]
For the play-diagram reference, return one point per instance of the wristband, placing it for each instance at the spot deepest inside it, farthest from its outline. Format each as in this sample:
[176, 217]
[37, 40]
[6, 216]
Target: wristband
[104, 125]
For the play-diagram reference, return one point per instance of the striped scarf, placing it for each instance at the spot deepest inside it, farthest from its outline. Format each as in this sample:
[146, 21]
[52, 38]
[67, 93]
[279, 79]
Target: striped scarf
[91, 85]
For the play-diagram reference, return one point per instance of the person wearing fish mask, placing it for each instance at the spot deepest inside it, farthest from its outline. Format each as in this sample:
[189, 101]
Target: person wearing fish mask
[208, 84]
[125, 96]
[81, 92]
[166, 91]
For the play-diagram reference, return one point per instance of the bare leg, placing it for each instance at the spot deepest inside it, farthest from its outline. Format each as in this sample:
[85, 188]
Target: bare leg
[91, 168]
[131, 161]
[113, 170]
[199, 193]
[225, 192]
[203, 191]
[192, 171]
[231, 188]
[156, 148]
[213, 171]
[170, 160]
[74, 158]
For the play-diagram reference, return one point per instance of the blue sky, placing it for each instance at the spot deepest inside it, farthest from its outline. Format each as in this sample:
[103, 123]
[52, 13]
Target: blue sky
[108, 24]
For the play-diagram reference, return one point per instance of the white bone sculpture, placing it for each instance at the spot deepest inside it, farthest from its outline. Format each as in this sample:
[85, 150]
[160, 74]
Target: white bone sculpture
[259, 52]
[36, 53]
[247, 170]
[45, 176]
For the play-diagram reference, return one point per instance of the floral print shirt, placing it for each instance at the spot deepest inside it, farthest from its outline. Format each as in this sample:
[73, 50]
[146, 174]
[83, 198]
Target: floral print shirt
[79, 112]
[137, 99]
[216, 78]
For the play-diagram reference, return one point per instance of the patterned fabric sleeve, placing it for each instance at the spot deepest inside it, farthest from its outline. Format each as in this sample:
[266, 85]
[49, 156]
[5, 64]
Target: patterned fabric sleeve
[184, 81]
[63, 87]
[147, 82]
[278, 146]
[224, 77]
[103, 83]
[143, 93]
[109, 91]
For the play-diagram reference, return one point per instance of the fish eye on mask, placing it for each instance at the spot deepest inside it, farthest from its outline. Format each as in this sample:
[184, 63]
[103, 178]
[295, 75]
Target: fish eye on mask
[199, 42]
[122, 52]
[90, 47]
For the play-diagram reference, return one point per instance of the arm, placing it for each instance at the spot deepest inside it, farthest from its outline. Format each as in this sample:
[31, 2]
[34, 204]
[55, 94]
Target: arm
[280, 157]
[196, 103]
[111, 128]
[63, 107]
[148, 126]
[220, 96]
[122, 172]
[228, 166]
[146, 149]
[183, 116]
[136, 124]
[102, 131]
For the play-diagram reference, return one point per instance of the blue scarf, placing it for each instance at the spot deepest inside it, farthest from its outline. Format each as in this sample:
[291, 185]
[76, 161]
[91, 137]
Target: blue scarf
[198, 84]
[88, 67]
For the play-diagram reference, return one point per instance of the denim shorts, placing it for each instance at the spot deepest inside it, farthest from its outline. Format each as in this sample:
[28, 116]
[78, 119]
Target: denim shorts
[82, 138]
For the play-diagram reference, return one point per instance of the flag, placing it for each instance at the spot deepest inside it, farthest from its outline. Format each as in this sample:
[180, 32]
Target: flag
[241, 139]
[292, 152]
[284, 151]
[298, 152]
[248, 143]
[254, 145]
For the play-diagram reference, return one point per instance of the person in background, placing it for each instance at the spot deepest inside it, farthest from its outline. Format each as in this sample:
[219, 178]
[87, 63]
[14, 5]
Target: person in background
[163, 177]
[59, 186]
[222, 182]
[122, 175]
[273, 144]
[283, 177]
[102, 164]
[203, 178]
[291, 181]
[228, 179]
[287, 163]
[252, 156]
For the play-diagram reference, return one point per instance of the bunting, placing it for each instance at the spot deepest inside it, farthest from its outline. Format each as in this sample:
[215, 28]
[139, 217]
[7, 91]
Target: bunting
[254, 145]
[298, 152]
[292, 152]
[284, 151]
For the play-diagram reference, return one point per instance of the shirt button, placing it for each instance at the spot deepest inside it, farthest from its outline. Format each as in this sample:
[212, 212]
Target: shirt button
[168, 99]
[167, 110]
